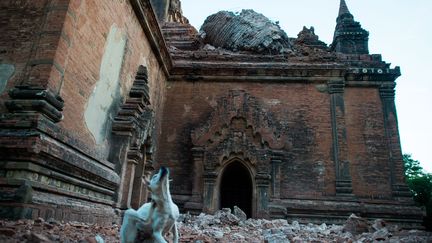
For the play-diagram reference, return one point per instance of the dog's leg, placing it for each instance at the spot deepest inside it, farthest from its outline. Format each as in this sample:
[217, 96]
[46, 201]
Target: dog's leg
[158, 227]
[128, 229]
[158, 238]
[175, 233]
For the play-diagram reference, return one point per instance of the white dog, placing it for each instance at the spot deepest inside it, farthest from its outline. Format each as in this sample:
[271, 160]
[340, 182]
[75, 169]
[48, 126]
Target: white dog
[158, 217]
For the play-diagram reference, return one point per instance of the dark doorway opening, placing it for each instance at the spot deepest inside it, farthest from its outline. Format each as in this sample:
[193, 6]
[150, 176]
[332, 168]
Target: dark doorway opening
[236, 188]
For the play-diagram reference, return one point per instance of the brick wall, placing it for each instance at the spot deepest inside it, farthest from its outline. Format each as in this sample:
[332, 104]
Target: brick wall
[61, 45]
[304, 114]
[21, 23]
[87, 26]
[300, 110]
[77, 50]
[368, 151]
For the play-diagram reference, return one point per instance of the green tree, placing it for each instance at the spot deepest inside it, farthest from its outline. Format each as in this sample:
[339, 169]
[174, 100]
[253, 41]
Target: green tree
[412, 167]
[420, 184]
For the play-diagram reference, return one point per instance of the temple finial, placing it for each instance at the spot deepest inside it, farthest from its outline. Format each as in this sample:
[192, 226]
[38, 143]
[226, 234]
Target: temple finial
[349, 37]
[343, 8]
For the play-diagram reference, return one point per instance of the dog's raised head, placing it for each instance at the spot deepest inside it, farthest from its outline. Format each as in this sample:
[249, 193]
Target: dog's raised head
[159, 185]
[157, 217]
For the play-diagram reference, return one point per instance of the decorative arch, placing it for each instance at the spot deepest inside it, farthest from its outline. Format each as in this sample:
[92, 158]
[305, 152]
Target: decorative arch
[238, 129]
[239, 103]
[132, 143]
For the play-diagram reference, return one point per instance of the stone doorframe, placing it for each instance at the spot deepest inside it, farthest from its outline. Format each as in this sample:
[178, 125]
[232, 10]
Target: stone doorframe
[206, 191]
[212, 185]
[238, 129]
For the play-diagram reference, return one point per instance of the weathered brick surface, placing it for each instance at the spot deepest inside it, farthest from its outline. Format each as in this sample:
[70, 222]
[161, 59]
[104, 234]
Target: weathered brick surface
[309, 125]
[71, 37]
[59, 45]
[368, 151]
[20, 24]
[299, 111]
[86, 28]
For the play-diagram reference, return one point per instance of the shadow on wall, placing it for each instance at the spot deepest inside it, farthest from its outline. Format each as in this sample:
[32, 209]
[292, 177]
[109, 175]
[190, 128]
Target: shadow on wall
[106, 94]
[6, 72]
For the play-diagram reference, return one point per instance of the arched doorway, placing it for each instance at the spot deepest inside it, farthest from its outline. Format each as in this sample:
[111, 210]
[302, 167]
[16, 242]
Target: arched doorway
[236, 188]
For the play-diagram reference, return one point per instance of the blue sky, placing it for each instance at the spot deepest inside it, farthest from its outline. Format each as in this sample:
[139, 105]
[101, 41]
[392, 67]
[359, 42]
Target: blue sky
[400, 30]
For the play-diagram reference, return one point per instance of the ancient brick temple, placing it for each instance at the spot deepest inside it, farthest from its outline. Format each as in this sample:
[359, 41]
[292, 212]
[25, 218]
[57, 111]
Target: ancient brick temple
[94, 95]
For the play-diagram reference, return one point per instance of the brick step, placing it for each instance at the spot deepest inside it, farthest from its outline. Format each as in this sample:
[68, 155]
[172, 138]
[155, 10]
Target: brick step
[184, 45]
[175, 25]
[176, 33]
[179, 28]
[180, 38]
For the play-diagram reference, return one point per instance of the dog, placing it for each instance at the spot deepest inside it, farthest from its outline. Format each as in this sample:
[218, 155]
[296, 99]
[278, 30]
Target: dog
[156, 218]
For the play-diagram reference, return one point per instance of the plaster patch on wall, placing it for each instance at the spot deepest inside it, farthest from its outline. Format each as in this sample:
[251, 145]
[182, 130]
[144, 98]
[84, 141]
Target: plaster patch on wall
[6, 72]
[106, 94]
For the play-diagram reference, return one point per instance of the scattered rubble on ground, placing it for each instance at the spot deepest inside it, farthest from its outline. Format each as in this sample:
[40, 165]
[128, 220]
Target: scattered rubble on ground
[226, 227]
[41, 231]
[223, 226]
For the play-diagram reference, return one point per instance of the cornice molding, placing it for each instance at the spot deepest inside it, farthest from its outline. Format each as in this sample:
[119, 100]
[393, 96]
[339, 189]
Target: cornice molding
[147, 18]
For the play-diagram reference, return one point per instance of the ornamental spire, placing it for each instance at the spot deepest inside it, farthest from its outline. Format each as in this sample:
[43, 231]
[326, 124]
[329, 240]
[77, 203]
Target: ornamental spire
[343, 8]
[349, 37]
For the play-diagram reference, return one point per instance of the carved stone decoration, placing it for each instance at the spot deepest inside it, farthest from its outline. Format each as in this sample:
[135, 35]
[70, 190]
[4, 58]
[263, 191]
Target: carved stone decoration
[241, 132]
[238, 103]
[132, 145]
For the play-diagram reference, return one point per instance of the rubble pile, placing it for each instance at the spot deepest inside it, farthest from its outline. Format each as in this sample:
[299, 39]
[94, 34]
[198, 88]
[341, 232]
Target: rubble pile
[227, 227]
[223, 226]
[41, 231]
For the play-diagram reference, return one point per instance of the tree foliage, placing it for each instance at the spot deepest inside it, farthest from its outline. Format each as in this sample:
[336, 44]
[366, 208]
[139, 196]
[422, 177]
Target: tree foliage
[420, 184]
[412, 167]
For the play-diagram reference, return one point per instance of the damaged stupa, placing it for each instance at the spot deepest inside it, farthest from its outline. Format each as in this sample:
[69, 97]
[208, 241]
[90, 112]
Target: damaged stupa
[246, 31]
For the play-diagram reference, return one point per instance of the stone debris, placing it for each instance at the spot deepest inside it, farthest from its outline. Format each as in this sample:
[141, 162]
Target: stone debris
[308, 37]
[226, 227]
[356, 225]
[39, 230]
[247, 31]
[223, 226]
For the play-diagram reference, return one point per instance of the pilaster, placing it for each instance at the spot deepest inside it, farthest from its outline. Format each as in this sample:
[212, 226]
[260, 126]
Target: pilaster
[262, 181]
[198, 169]
[276, 162]
[340, 150]
[208, 192]
[195, 203]
[397, 179]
